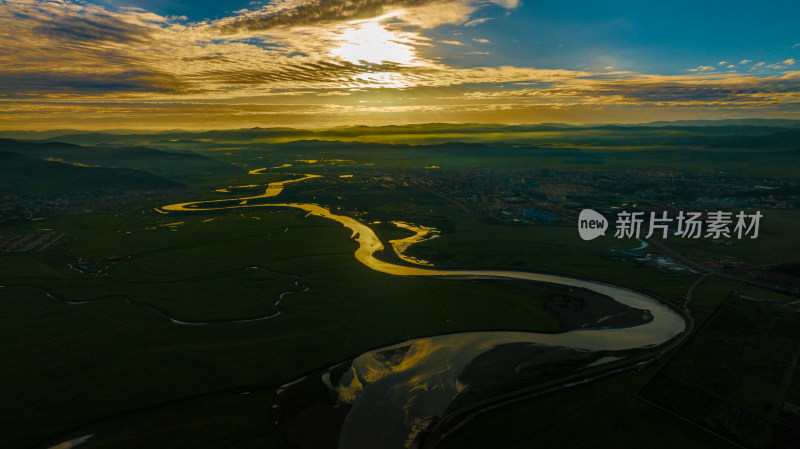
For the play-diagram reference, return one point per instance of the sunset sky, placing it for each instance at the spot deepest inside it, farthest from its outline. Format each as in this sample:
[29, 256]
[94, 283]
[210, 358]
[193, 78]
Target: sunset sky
[310, 63]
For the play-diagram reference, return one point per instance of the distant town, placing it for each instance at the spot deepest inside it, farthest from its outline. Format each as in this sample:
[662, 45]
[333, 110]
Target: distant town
[549, 195]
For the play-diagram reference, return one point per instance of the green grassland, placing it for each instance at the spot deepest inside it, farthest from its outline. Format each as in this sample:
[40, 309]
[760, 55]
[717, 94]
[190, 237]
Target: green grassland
[603, 414]
[548, 248]
[738, 149]
[200, 268]
[620, 154]
[19, 174]
[776, 243]
[118, 354]
[168, 164]
[455, 154]
[108, 356]
[733, 375]
[234, 419]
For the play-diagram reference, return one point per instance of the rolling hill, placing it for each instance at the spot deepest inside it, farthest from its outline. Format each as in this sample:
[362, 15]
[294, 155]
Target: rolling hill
[172, 165]
[23, 175]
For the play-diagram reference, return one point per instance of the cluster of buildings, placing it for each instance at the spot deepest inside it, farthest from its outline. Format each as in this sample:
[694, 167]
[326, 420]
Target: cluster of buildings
[545, 194]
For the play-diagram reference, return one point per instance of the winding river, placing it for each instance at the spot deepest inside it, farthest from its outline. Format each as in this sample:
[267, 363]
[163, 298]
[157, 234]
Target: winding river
[421, 234]
[399, 396]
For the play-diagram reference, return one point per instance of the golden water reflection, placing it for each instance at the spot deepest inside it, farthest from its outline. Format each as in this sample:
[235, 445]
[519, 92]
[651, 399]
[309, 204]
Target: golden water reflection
[400, 396]
[273, 189]
[421, 234]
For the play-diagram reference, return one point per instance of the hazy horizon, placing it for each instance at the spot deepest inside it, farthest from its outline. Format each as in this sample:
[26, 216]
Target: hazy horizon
[655, 123]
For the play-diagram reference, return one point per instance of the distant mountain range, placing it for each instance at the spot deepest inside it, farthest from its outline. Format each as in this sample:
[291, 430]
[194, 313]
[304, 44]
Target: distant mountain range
[23, 175]
[780, 123]
[174, 154]
[207, 139]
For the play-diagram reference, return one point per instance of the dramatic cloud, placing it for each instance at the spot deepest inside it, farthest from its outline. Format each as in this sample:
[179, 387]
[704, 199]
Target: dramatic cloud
[477, 22]
[62, 54]
[287, 14]
[719, 91]
[278, 47]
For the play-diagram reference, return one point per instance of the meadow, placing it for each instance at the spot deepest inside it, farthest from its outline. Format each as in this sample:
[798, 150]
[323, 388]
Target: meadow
[89, 330]
[110, 355]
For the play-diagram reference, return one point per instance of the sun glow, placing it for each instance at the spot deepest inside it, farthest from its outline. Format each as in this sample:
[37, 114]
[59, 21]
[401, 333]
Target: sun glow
[371, 42]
